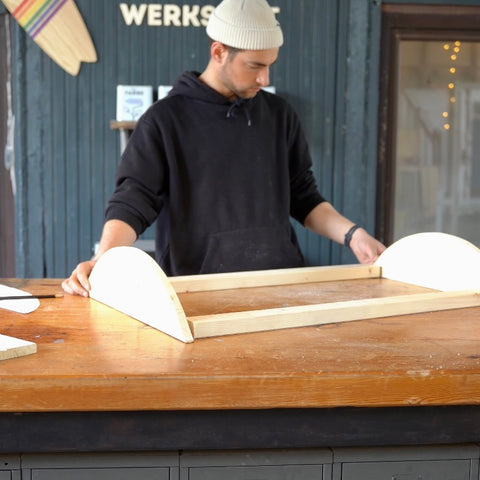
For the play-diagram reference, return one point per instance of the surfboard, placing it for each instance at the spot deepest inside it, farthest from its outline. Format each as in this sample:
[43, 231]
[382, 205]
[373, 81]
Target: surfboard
[58, 29]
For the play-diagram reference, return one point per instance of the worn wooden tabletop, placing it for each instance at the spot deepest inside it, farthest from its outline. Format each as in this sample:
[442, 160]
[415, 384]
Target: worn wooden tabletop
[92, 358]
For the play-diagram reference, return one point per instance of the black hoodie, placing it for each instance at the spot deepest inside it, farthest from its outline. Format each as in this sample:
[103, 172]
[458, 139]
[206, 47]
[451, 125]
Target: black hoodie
[223, 179]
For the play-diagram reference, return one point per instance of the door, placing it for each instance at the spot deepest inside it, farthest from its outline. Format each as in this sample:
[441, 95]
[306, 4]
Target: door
[429, 137]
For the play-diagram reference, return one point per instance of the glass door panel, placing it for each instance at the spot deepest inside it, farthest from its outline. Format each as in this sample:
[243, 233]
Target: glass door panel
[436, 145]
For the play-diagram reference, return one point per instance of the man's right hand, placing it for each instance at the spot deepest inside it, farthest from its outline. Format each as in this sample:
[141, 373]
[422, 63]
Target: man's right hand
[77, 283]
[115, 233]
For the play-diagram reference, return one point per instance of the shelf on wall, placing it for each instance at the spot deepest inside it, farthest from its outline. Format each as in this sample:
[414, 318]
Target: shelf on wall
[122, 125]
[126, 128]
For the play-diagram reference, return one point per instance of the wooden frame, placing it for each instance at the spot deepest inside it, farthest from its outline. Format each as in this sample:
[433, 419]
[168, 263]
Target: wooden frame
[411, 265]
[309, 315]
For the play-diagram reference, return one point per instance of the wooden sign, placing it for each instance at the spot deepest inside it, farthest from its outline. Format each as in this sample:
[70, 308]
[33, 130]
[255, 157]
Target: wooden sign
[129, 280]
[58, 28]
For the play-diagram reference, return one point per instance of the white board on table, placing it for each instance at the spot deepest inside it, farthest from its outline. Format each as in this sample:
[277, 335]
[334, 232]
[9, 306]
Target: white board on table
[11, 347]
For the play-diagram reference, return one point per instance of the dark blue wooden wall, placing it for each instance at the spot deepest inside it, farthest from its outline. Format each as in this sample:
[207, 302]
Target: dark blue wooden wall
[66, 154]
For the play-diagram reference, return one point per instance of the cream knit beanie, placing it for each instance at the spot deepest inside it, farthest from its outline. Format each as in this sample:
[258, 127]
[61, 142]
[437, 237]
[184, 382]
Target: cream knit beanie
[245, 24]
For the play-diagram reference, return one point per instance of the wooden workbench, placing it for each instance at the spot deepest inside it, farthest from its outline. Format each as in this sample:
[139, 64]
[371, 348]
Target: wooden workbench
[312, 386]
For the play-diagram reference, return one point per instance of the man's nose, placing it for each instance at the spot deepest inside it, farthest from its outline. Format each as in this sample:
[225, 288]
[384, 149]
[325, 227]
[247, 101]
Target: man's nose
[263, 77]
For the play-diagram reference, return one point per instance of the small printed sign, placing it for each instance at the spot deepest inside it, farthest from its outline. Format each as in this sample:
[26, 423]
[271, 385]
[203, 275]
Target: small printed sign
[132, 101]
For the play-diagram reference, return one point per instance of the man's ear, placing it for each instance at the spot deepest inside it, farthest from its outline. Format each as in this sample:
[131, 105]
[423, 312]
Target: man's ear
[218, 52]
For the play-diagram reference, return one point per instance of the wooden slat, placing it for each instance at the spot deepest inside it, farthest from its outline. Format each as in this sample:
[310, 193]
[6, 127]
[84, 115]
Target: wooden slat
[311, 315]
[261, 278]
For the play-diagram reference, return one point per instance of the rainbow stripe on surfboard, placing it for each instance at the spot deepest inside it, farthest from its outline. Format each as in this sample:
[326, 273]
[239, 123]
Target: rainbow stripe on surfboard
[34, 15]
[58, 28]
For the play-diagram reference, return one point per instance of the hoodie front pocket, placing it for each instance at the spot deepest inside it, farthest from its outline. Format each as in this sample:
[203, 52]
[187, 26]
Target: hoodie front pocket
[260, 248]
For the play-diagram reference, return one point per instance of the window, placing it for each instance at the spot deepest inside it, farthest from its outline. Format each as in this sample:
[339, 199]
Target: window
[429, 137]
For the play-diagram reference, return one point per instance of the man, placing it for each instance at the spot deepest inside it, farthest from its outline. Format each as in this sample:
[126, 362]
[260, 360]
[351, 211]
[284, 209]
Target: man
[222, 165]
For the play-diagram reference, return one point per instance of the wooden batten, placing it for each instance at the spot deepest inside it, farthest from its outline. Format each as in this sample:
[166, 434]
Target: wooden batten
[262, 278]
[336, 312]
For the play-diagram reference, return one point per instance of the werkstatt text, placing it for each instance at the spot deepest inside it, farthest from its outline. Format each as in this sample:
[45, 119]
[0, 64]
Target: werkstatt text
[168, 14]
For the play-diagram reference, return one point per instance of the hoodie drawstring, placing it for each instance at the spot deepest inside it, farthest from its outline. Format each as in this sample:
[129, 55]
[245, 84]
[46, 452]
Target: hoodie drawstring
[238, 103]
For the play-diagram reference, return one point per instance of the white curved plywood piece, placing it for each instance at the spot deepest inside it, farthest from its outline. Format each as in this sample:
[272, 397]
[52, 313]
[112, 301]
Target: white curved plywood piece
[25, 305]
[129, 280]
[434, 260]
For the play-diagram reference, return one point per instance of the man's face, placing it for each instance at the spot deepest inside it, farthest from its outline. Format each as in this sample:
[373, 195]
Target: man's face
[244, 73]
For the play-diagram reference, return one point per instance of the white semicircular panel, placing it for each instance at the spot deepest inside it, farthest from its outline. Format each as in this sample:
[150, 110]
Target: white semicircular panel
[434, 260]
[132, 282]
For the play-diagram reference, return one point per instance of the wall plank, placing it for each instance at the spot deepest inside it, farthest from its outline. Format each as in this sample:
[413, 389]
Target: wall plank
[355, 163]
[7, 229]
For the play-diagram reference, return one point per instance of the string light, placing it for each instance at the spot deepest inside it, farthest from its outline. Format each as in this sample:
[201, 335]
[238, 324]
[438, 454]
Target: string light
[455, 49]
